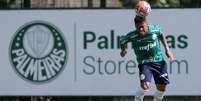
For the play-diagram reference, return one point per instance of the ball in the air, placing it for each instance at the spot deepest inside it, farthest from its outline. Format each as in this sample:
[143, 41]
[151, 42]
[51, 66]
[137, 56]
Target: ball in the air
[143, 8]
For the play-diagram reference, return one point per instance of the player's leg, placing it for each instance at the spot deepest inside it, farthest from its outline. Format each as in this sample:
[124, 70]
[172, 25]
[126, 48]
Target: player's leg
[161, 79]
[158, 96]
[141, 91]
[145, 79]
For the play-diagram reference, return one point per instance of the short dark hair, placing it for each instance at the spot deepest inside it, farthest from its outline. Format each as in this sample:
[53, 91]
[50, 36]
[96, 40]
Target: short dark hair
[139, 19]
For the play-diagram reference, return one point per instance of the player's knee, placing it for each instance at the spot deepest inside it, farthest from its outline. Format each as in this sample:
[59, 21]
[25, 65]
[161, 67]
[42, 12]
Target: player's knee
[161, 87]
[145, 85]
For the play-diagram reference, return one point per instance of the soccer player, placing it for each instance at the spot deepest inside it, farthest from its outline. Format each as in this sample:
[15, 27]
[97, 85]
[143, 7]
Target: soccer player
[146, 44]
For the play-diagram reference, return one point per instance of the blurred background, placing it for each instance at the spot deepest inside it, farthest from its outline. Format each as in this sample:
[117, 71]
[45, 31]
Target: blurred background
[93, 4]
[34, 4]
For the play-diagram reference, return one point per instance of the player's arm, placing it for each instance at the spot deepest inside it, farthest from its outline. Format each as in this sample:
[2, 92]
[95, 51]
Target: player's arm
[124, 40]
[168, 52]
[123, 45]
[123, 50]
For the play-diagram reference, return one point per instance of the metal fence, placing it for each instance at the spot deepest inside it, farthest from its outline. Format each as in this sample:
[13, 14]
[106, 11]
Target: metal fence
[32, 4]
[20, 4]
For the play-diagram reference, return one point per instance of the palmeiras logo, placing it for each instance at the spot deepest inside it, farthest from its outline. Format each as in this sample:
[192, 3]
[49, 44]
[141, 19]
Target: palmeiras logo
[38, 51]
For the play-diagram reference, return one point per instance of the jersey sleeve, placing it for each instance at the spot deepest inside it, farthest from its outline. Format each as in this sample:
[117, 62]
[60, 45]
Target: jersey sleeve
[127, 38]
[159, 30]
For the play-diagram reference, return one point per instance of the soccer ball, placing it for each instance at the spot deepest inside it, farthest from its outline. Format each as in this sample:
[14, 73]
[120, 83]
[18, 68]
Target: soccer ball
[143, 8]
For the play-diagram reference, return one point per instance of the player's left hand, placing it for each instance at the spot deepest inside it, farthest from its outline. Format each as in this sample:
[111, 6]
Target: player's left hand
[169, 54]
[123, 53]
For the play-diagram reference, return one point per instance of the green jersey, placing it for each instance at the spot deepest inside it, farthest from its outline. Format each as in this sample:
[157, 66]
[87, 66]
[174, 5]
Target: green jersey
[147, 47]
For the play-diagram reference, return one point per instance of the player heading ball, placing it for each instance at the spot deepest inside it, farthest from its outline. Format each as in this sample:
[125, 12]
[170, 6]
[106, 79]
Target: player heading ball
[146, 42]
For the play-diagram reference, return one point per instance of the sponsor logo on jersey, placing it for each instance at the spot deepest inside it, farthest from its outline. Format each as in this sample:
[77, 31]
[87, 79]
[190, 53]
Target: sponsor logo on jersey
[148, 46]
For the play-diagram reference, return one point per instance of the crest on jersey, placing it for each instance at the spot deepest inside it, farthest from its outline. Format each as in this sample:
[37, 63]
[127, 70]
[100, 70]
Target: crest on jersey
[154, 36]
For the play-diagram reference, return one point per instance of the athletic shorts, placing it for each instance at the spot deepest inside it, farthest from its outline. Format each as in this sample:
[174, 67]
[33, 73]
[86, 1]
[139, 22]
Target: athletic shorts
[156, 69]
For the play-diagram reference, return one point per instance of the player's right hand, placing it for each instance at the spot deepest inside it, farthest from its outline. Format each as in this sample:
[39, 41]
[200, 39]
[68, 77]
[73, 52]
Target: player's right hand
[169, 54]
[123, 53]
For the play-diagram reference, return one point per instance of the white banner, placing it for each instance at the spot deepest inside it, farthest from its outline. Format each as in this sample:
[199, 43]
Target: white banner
[76, 52]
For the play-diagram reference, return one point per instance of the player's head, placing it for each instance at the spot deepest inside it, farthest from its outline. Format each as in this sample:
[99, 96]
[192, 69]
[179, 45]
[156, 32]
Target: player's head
[140, 24]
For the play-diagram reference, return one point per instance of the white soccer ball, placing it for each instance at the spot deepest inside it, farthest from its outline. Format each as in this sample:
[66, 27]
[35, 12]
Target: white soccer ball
[143, 8]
